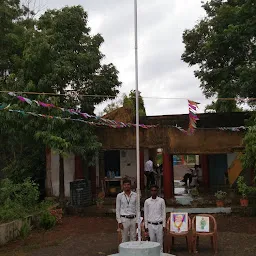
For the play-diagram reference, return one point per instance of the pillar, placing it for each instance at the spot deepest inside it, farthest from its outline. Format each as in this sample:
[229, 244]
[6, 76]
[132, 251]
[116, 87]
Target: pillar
[205, 169]
[92, 176]
[168, 176]
[142, 167]
[79, 174]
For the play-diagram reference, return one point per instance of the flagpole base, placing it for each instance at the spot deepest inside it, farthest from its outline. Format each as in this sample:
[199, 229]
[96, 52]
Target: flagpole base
[143, 248]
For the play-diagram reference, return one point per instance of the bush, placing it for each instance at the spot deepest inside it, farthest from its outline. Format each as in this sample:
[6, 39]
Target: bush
[47, 221]
[17, 200]
[220, 195]
[242, 187]
[25, 230]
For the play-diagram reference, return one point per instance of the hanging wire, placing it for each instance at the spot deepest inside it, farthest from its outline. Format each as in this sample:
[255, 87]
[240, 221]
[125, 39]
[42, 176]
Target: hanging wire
[115, 97]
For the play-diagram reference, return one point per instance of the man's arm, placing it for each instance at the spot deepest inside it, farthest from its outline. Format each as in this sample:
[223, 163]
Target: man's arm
[146, 214]
[118, 208]
[164, 213]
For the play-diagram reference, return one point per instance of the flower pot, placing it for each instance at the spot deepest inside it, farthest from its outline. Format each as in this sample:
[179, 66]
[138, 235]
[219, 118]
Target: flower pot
[244, 202]
[99, 204]
[220, 203]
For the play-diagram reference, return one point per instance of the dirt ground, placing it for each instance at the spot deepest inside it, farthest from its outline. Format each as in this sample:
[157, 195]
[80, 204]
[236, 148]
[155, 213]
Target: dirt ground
[88, 236]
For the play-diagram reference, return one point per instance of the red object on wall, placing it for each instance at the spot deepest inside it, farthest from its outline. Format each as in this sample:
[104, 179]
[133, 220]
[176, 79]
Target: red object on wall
[142, 167]
[205, 169]
[79, 174]
[168, 176]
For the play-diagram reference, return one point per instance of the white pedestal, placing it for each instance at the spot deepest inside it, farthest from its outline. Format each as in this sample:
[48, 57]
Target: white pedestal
[140, 249]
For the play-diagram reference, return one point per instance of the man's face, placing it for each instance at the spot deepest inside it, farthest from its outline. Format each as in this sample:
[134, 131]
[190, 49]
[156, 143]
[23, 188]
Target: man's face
[154, 192]
[127, 186]
[178, 218]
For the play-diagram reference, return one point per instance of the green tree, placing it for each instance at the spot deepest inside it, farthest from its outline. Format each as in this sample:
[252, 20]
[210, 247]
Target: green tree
[59, 55]
[223, 46]
[130, 102]
[220, 106]
[113, 106]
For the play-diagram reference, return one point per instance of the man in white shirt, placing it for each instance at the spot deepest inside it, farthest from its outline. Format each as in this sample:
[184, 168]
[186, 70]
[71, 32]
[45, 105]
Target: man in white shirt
[155, 216]
[149, 172]
[126, 212]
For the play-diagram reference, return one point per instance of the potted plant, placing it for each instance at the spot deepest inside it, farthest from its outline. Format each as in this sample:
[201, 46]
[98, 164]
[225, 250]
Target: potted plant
[194, 192]
[100, 200]
[243, 190]
[220, 197]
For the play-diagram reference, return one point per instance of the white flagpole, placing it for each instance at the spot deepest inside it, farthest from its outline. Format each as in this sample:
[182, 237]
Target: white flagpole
[137, 115]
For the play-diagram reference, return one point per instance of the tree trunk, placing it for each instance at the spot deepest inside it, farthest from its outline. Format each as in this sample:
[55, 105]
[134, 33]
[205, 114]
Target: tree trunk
[61, 179]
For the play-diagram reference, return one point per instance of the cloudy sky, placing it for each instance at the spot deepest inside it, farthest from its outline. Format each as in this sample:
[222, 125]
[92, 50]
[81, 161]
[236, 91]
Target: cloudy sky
[161, 23]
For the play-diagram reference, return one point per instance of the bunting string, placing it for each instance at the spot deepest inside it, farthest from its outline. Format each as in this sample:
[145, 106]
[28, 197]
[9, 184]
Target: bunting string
[106, 122]
[25, 113]
[232, 129]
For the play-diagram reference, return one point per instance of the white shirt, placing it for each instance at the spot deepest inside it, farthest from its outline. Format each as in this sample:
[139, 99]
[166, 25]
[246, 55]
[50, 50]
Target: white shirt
[125, 205]
[149, 166]
[154, 211]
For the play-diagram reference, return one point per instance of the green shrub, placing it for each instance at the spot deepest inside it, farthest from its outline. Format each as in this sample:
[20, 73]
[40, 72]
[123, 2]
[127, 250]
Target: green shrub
[25, 230]
[47, 221]
[17, 200]
[242, 187]
[220, 195]
[11, 210]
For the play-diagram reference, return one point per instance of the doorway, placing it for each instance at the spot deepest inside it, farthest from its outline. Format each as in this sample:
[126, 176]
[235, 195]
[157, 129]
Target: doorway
[112, 162]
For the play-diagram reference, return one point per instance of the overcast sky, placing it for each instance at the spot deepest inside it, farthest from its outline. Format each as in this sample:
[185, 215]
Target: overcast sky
[160, 27]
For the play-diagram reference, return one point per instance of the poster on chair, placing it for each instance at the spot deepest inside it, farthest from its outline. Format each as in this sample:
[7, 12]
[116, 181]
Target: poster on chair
[202, 224]
[179, 222]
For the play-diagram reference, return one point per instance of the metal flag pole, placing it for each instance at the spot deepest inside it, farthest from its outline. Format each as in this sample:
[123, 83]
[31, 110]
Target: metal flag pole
[137, 115]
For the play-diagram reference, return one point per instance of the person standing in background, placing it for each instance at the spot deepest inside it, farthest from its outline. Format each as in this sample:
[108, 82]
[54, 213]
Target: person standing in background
[149, 172]
[126, 212]
[155, 216]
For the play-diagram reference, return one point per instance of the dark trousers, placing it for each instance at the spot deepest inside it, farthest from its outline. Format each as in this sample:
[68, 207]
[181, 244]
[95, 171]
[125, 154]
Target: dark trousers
[150, 179]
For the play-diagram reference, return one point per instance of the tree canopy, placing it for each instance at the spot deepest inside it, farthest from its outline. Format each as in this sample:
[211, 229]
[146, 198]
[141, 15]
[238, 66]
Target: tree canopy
[223, 47]
[53, 54]
[128, 101]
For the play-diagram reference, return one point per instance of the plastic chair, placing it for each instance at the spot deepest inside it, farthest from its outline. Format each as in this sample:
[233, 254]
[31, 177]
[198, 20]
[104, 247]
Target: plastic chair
[212, 234]
[170, 236]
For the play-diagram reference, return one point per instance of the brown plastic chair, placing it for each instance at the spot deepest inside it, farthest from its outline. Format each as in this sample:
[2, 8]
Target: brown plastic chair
[212, 234]
[170, 236]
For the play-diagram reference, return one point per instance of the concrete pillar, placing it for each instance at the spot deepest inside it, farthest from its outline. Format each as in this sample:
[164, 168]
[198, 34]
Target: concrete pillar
[168, 176]
[142, 167]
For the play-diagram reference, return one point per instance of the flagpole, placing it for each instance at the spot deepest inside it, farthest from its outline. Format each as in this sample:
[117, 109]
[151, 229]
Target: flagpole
[137, 114]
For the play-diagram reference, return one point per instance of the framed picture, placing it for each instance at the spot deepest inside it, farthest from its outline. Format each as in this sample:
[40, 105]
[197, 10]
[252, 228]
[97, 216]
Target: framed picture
[202, 224]
[179, 222]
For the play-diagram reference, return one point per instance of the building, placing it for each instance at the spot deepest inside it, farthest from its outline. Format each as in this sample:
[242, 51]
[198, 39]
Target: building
[217, 140]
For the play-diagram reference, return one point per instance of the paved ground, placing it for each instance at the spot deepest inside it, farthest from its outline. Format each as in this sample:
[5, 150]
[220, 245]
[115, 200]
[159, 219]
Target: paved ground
[79, 236]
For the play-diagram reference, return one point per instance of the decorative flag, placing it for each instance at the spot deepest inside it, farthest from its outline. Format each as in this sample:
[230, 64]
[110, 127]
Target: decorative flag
[106, 122]
[193, 118]
[24, 113]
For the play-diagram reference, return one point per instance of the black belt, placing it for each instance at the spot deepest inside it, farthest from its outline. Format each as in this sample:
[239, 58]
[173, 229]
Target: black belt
[155, 223]
[128, 216]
